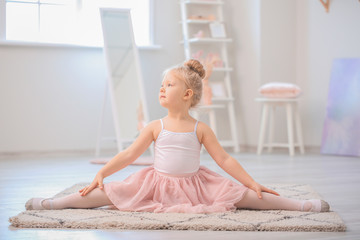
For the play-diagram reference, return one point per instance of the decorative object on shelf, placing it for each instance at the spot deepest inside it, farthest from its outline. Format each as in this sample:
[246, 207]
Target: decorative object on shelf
[341, 132]
[207, 90]
[280, 90]
[210, 17]
[198, 55]
[326, 4]
[207, 93]
[217, 30]
[218, 90]
[214, 58]
[199, 34]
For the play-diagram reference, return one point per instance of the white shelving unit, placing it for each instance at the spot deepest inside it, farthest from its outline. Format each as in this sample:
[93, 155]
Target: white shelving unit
[197, 16]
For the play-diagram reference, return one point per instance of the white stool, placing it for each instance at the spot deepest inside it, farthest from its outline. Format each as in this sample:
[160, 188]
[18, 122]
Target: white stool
[292, 113]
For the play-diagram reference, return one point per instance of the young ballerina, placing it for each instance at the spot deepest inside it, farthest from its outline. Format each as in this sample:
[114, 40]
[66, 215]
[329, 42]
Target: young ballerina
[176, 182]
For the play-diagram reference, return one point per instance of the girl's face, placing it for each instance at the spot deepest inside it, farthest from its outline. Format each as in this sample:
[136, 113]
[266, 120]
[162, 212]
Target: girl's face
[172, 91]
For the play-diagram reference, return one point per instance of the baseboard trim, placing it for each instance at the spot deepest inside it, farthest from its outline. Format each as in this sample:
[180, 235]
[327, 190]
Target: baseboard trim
[253, 149]
[58, 153]
[113, 151]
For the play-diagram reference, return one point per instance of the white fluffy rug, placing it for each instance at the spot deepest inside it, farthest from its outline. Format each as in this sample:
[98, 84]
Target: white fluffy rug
[240, 220]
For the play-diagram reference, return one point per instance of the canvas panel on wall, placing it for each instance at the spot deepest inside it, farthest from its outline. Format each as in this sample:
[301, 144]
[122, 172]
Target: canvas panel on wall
[341, 133]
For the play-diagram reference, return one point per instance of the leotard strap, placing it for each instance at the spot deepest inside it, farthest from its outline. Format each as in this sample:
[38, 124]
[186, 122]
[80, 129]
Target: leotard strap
[162, 124]
[196, 124]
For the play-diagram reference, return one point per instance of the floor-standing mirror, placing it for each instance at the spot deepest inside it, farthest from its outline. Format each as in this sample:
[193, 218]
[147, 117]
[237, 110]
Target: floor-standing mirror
[125, 81]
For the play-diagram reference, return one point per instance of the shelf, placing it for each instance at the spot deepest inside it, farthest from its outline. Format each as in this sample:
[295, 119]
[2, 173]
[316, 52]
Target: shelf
[204, 2]
[194, 21]
[209, 40]
[208, 107]
[227, 143]
[223, 99]
[269, 99]
[200, 15]
[285, 145]
[222, 69]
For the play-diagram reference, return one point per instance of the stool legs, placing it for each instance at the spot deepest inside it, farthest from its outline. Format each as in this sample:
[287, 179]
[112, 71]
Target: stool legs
[271, 128]
[298, 129]
[290, 128]
[293, 123]
[264, 116]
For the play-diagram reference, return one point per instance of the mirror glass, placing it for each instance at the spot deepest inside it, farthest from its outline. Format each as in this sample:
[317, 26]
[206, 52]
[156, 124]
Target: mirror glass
[125, 81]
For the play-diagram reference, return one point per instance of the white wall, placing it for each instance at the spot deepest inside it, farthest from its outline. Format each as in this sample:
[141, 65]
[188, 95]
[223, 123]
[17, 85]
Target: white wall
[50, 97]
[322, 37]
[278, 50]
[290, 41]
[264, 47]
[243, 25]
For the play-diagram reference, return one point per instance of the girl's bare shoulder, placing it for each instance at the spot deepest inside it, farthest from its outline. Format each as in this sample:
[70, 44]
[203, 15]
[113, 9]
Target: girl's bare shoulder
[155, 127]
[202, 131]
[203, 127]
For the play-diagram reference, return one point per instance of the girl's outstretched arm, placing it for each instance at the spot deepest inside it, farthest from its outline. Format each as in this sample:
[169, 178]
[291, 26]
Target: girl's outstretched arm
[226, 162]
[124, 158]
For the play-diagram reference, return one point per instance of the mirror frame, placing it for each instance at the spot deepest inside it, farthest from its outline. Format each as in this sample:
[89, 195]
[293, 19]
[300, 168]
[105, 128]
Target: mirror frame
[121, 141]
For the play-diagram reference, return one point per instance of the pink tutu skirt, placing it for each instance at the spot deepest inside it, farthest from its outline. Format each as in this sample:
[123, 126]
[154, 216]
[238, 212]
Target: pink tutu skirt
[151, 191]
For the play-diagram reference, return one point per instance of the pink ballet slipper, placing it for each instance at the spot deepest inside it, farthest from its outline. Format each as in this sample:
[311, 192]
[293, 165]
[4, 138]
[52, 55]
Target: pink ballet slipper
[317, 205]
[37, 204]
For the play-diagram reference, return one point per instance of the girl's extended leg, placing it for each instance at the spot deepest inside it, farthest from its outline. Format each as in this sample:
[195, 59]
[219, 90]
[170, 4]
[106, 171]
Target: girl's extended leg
[96, 198]
[273, 202]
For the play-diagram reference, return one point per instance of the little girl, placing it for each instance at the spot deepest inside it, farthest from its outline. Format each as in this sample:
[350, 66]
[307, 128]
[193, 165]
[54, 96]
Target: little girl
[176, 182]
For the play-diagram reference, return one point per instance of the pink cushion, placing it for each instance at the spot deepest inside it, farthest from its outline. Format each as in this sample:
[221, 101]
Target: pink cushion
[280, 90]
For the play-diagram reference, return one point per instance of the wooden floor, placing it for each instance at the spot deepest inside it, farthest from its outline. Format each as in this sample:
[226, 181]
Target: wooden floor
[337, 179]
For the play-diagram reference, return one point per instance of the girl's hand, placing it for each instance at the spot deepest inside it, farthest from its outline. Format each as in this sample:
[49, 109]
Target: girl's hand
[98, 182]
[258, 188]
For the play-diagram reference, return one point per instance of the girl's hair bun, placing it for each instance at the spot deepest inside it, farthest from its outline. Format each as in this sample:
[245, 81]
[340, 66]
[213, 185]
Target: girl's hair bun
[195, 66]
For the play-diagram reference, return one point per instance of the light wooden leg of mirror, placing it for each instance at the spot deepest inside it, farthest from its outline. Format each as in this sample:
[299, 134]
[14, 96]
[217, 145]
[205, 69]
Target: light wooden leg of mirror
[101, 122]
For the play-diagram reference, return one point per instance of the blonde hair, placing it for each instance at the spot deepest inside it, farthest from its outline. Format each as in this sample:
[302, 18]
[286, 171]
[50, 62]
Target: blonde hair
[192, 72]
